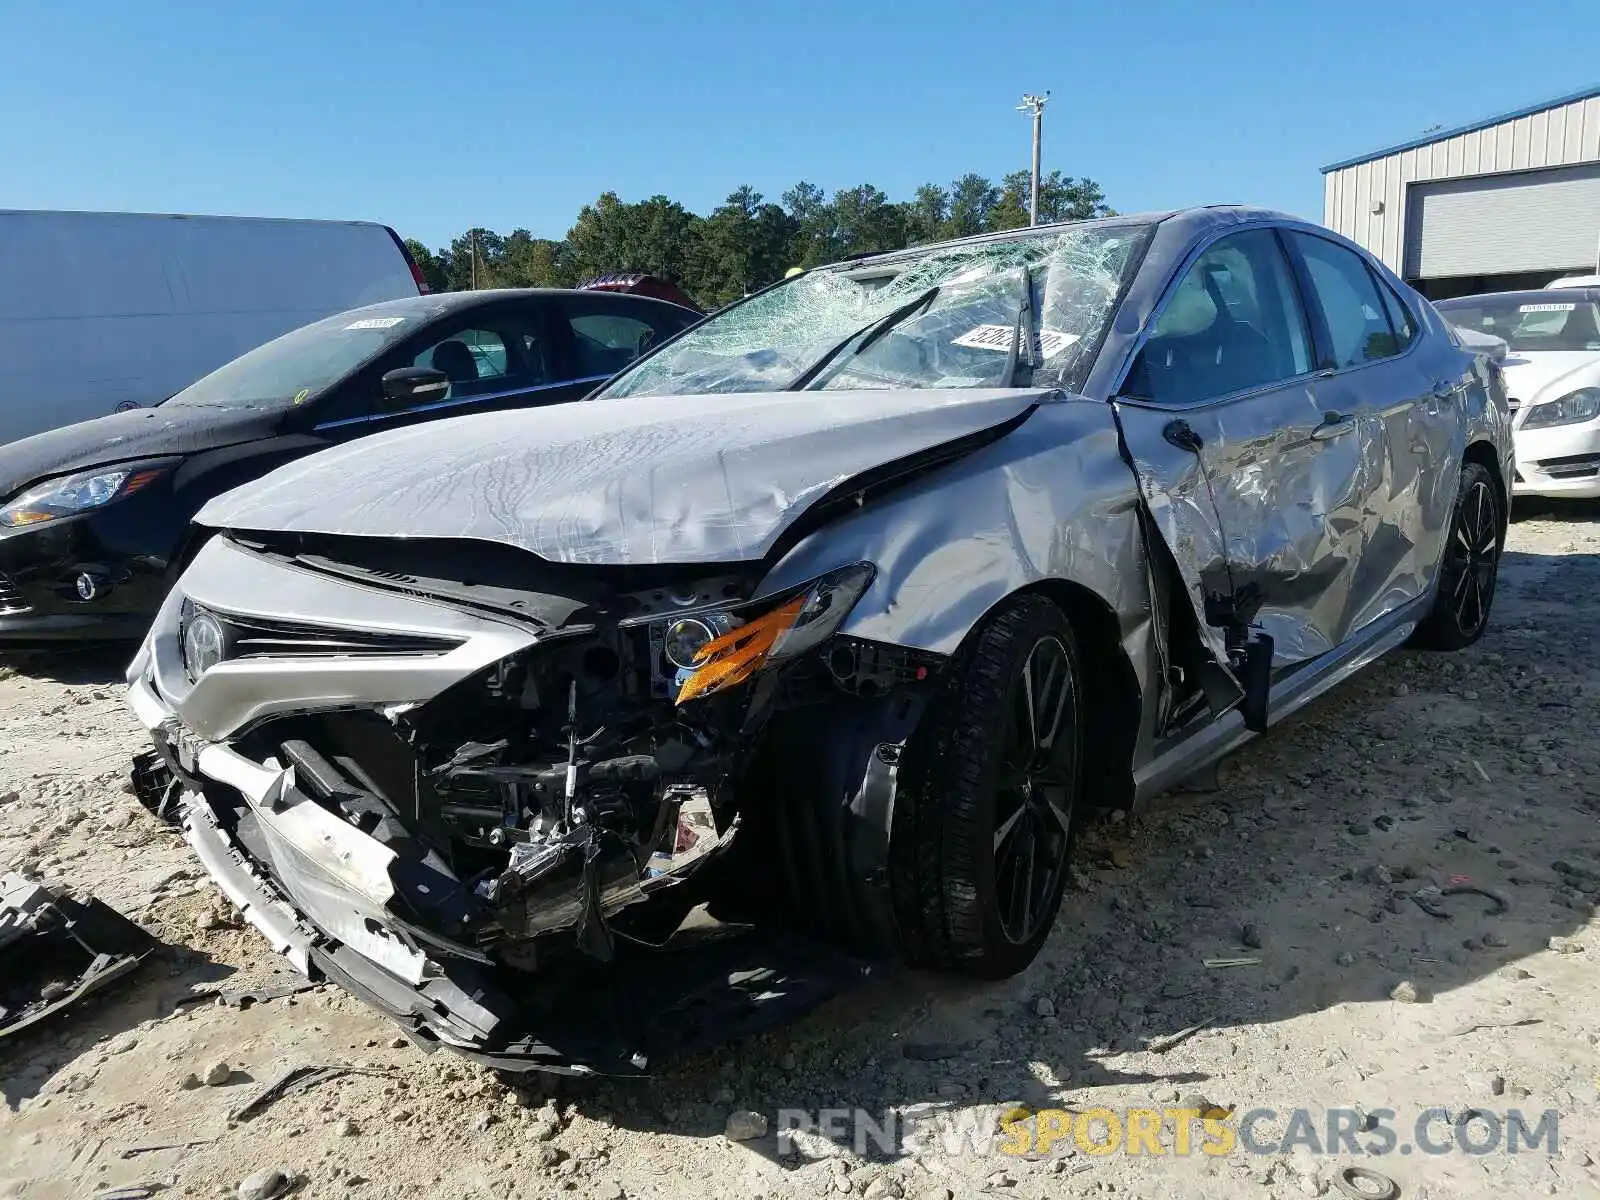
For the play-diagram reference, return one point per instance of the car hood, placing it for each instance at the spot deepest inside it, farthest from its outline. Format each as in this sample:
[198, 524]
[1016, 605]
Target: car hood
[631, 480]
[1539, 375]
[119, 437]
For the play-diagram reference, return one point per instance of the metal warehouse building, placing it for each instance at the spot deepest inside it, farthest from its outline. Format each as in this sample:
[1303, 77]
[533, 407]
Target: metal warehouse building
[1508, 202]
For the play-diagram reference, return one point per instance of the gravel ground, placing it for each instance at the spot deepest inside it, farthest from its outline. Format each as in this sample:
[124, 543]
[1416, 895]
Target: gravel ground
[1308, 860]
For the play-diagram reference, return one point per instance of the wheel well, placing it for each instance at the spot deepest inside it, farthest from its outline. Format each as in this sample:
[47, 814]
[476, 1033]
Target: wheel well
[1483, 454]
[1111, 719]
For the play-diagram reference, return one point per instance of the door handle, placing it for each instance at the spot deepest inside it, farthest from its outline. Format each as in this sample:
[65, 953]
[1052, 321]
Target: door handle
[1334, 425]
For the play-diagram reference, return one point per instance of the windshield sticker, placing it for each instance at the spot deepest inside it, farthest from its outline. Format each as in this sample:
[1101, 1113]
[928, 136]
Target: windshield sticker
[300, 397]
[375, 323]
[1547, 308]
[998, 337]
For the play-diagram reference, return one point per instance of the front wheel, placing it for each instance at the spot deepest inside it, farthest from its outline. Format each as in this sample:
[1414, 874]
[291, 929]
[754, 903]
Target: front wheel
[988, 790]
[1470, 566]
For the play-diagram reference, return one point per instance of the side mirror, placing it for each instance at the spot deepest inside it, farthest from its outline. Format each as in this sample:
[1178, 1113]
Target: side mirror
[408, 384]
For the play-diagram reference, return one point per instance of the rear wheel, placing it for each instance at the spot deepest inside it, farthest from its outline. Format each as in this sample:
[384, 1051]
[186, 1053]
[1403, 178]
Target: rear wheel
[988, 791]
[1470, 566]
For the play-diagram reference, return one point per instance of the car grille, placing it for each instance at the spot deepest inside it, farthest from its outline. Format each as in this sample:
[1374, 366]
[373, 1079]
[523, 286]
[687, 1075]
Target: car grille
[1571, 466]
[11, 602]
[251, 637]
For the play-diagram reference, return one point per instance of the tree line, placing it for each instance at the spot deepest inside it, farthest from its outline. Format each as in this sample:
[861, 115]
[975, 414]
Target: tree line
[748, 241]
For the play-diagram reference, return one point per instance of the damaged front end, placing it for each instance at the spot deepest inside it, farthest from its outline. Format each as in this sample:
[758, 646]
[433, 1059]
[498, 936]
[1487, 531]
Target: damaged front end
[601, 768]
[490, 828]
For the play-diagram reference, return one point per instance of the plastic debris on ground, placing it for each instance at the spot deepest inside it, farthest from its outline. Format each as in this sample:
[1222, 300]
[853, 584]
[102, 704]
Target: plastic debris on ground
[56, 949]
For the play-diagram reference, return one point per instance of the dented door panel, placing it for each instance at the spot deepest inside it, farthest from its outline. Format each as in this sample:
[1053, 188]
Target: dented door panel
[1262, 502]
[1405, 453]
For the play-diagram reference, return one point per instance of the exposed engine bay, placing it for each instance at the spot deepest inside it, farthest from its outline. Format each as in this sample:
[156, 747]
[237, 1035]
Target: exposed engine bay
[595, 770]
[566, 785]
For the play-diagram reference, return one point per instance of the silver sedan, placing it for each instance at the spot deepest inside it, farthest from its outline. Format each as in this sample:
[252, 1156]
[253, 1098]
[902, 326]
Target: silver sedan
[826, 622]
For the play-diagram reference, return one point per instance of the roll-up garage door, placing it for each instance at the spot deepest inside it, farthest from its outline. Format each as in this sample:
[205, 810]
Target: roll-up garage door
[1502, 224]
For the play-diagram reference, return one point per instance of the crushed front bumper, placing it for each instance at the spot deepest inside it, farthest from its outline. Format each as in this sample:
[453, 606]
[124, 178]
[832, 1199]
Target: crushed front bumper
[315, 888]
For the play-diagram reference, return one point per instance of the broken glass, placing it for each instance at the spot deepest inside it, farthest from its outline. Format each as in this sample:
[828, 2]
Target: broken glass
[961, 339]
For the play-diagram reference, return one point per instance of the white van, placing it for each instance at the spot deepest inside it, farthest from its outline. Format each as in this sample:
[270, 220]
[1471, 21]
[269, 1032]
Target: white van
[108, 311]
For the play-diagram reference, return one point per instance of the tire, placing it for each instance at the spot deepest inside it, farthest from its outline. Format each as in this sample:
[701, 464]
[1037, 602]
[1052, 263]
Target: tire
[1469, 567]
[981, 820]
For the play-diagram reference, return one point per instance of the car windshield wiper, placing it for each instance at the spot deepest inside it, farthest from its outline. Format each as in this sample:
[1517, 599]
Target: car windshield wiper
[867, 337]
[1022, 350]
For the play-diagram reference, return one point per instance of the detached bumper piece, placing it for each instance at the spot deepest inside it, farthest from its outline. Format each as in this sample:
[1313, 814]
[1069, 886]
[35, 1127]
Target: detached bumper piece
[55, 950]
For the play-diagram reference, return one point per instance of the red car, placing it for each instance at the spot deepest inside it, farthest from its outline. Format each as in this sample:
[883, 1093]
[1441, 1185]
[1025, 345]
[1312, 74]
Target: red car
[639, 284]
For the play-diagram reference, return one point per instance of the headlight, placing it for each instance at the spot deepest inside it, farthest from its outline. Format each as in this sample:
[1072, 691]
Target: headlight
[71, 494]
[787, 627]
[202, 640]
[686, 638]
[1581, 405]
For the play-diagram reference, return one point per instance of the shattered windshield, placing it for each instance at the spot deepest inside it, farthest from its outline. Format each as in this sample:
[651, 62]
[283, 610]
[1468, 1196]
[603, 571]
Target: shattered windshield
[1027, 311]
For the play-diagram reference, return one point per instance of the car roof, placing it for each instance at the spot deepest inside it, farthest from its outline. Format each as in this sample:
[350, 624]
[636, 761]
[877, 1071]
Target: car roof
[438, 304]
[1564, 295]
[1200, 218]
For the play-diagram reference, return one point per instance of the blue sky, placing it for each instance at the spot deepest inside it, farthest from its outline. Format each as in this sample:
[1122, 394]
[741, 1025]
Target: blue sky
[435, 117]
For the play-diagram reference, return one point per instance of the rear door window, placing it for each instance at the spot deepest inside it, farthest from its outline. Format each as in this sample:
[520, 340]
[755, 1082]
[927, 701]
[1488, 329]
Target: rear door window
[1355, 315]
[1401, 319]
[609, 332]
[606, 344]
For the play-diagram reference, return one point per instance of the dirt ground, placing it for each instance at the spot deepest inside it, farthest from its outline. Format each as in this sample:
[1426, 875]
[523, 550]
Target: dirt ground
[1331, 840]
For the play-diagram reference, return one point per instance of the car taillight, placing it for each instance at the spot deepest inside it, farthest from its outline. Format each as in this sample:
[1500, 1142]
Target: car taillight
[416, 273]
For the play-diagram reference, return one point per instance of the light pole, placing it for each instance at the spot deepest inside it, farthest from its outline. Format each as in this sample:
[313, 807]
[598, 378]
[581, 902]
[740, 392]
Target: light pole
[1035, 105]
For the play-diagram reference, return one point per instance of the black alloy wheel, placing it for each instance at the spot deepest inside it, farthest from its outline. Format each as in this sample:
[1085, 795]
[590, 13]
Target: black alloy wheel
[1469, 567]
[1033, 800]
[987, 795]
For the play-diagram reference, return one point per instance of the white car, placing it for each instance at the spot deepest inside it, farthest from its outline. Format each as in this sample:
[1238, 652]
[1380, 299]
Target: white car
[1552, 374]
[1576, 281]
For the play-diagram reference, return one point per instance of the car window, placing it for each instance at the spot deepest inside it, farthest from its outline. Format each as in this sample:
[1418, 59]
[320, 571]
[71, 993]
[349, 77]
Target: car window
[610, 331]
[819, 329]
[1401, 319]
[501, 355]
[481, 355]
[605, 343]
[1530, 321]
[298, 367]
[1358, 324]
[1232, 324]
[470, 355]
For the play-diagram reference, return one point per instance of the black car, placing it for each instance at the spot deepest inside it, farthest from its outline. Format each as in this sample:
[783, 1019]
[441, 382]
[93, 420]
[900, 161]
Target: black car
[93, 513]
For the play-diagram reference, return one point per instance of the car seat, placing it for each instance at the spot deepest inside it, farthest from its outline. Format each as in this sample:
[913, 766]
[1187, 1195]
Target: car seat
[456, 361]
